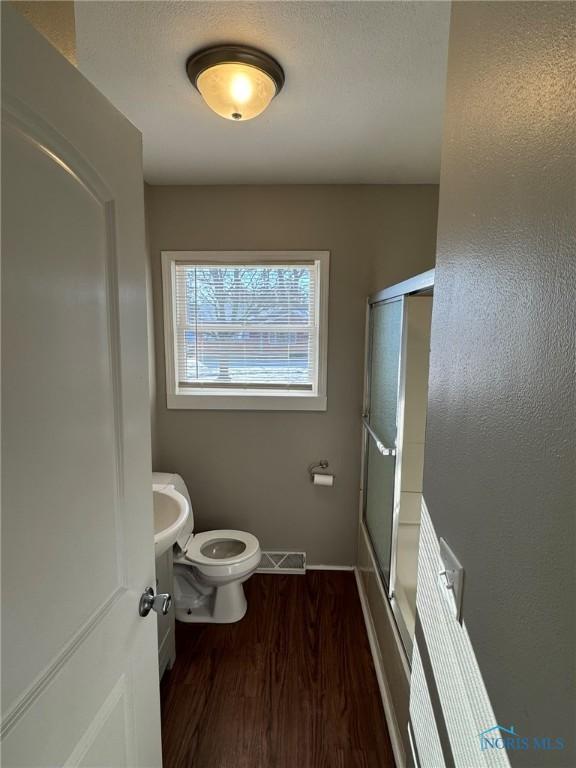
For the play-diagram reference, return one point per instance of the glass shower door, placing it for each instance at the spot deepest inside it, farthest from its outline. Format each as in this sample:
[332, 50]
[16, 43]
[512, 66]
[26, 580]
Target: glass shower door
[380, 427]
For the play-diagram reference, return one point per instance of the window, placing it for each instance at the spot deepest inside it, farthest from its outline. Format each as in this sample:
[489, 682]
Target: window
[246, 330]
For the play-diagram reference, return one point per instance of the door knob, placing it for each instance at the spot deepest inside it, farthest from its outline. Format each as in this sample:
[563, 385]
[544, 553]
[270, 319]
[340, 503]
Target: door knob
[149, 601]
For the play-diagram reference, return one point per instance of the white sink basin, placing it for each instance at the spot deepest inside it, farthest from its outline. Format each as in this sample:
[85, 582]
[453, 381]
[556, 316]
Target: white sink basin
[171, 511]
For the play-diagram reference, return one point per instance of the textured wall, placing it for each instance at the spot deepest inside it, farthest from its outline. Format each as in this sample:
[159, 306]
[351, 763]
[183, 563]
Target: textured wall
[248, 469]
[449, 703]
[500, 455]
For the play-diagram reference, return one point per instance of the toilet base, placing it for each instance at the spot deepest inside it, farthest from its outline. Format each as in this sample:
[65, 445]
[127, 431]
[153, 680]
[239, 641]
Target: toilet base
[196, 603]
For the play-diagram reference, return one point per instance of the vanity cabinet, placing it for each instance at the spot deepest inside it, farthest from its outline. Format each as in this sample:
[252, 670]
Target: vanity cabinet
[166, 624]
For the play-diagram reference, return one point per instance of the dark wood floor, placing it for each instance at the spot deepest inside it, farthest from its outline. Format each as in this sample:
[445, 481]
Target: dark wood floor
[292, 685]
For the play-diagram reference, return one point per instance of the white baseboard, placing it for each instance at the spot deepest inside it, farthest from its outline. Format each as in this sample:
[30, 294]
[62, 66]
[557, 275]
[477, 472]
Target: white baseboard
[330, 568]
[392, 722]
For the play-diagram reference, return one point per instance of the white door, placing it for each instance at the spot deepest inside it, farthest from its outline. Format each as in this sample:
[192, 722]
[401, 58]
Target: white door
[79, 665]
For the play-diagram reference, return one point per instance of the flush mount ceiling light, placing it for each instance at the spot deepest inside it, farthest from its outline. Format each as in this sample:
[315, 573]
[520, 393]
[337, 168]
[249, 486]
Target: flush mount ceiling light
[237, 82]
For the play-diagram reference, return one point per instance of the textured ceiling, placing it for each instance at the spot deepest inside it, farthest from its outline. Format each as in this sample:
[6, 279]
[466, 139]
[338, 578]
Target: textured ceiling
[363, 99]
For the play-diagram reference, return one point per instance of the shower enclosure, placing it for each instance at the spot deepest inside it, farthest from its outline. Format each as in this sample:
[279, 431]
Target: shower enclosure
[394, 423]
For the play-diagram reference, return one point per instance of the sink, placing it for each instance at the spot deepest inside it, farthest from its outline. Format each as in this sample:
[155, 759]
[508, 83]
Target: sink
[171, 511]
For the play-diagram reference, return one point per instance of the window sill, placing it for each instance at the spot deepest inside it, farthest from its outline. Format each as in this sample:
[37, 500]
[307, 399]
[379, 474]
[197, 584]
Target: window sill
[246, 402]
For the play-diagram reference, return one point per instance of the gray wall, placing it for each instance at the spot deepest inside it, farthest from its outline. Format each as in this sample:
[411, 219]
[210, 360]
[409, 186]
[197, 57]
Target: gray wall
[150, 331]
[55, 19]
[408, 232]
[248, 469]
[500, 456]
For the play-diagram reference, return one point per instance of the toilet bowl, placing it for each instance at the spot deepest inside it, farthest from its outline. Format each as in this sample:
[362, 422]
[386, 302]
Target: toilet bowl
[209, 567]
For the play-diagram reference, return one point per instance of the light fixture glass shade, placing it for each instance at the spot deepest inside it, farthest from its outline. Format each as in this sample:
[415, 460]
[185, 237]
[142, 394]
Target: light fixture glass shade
[236, 91]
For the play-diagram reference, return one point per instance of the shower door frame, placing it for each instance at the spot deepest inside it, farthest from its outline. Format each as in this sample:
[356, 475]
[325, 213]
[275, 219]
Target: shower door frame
[412, 286]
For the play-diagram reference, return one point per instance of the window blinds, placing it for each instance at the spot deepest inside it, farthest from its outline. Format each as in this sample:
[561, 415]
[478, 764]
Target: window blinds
[247, 326]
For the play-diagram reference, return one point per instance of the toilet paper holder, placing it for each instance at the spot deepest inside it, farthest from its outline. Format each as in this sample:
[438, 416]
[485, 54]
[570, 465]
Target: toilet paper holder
[322, 464]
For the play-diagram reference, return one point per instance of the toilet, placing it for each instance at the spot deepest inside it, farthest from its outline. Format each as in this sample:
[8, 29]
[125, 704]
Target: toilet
[209, 567]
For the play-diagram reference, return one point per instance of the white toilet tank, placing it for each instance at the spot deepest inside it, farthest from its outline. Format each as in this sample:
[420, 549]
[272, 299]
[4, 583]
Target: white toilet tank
[169, 478]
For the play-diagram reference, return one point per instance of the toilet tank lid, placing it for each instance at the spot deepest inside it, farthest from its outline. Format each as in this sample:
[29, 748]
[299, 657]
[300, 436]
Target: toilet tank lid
[171, 478]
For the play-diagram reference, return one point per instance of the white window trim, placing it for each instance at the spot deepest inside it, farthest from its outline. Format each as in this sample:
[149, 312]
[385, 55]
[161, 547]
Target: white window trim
[206, 399]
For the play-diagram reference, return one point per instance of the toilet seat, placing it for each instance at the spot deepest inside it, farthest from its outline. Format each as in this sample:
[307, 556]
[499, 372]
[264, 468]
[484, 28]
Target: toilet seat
[199, 542]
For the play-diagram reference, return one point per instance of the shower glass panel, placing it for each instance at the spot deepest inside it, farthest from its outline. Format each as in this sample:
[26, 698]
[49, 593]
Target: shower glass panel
[379, 504]
[380, 427]
[386, 337]
[394, 427]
